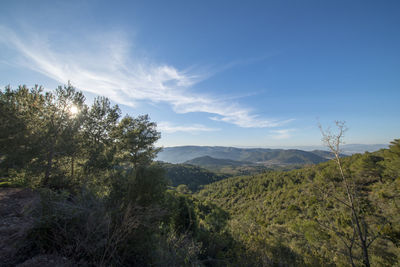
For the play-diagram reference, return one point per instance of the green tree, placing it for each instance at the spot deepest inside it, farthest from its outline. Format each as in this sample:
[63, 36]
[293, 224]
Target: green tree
[19, 126]
[135, 139]
[60, 125]
[99, 122]
[357, 220]
[392, 160]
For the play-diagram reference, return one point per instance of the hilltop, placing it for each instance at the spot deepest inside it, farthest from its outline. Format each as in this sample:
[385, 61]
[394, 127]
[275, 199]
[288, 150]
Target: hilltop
[265, 156]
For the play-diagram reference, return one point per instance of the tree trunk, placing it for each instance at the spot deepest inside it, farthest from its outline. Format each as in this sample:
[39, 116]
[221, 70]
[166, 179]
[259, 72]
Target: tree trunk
[351, 258]
[72, 167]
[362, 237]
[365, 253]
[49, 165]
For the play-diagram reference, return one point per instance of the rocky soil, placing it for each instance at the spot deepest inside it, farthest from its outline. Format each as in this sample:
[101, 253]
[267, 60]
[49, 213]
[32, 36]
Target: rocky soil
[16, 205]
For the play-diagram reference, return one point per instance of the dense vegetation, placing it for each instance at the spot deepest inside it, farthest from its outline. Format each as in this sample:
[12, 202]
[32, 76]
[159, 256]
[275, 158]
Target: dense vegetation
[104, 202]
[228, 167]
[192, 176]
[208, 161]
[302, 217]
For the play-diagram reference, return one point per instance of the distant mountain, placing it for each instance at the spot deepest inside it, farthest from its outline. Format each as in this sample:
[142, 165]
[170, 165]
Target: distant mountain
[325, 154]
[181, 154]
[350, 149]
[264, 156]
[207, 161]
[347, 149]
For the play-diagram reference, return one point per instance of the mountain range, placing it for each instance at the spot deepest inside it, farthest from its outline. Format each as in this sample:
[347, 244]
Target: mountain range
[266, 156]
[217, 155]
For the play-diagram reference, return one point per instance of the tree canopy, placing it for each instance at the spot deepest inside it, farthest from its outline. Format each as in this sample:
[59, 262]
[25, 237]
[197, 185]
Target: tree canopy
[106, 203]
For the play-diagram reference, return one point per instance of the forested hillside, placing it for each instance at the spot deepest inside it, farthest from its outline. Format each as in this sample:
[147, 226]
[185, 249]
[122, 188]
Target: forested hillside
[228, 167]
[103, 201]
[192, 176]
[303, 217]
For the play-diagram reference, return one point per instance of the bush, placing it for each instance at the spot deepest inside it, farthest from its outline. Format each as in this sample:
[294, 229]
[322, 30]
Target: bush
[72, 226]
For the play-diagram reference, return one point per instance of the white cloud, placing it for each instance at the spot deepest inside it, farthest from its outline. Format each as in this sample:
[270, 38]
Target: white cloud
[168, 127]
[106, 67]
[282, 133]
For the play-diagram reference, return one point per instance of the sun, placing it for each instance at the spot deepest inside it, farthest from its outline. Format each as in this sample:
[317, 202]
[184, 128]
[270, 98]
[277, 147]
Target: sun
[73, 110]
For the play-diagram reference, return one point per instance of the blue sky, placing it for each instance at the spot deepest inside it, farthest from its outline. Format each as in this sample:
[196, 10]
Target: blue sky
[229, 73]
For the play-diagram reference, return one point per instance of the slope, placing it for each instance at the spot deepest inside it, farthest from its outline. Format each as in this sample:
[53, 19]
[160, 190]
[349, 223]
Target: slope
[253, 155]
[291, 218]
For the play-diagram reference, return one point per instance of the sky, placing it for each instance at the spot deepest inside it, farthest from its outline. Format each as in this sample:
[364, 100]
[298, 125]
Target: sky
[226, 73]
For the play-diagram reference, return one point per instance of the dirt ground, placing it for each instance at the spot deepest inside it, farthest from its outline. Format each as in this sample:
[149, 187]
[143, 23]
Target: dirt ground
[15, 222]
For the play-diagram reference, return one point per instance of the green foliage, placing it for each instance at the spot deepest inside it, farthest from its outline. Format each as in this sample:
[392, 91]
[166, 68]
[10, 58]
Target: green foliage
[205, 225]
[392, 160]
[135, 139]
[105, 203]
[144, 186]
[234, 168]
[41, 131]
[292, 217]
[20, 133]
[191, 176]
[97, 150]
[54, 140]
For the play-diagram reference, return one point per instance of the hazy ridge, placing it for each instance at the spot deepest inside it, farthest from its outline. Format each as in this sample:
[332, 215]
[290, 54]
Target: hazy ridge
[265, 156]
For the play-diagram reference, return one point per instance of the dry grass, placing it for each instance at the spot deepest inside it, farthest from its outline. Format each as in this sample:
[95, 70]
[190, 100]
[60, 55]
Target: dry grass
[15, 221]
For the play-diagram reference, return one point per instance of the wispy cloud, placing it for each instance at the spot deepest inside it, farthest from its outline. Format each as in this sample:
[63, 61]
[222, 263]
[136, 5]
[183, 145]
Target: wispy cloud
[282, 133]
[106, 67]
[168, 127]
